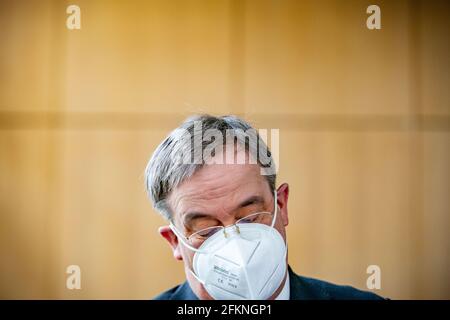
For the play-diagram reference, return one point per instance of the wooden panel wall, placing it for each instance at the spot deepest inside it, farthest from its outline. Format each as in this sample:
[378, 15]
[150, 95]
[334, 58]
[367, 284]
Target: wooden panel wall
[364, 121]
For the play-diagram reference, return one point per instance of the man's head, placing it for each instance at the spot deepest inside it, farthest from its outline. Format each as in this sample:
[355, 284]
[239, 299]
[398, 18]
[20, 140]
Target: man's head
[195, 184]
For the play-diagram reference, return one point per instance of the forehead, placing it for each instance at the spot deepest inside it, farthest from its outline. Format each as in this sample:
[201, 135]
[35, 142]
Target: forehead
[214, 187]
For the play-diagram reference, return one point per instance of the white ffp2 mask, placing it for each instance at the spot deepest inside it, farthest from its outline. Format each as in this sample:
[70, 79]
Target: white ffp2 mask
[249, 262]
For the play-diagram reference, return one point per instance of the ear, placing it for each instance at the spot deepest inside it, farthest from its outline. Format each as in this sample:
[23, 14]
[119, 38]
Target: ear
[172, 239]
[282, 199]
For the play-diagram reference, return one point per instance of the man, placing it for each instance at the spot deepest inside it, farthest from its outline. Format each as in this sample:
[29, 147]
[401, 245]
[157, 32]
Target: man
[213, 178]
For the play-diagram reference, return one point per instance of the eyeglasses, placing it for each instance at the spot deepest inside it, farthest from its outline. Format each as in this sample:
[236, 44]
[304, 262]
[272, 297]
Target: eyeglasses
[197, 238]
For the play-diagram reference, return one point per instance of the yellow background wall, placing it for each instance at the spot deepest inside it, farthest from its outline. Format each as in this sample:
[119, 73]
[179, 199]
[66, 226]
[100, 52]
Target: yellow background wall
[364, 121]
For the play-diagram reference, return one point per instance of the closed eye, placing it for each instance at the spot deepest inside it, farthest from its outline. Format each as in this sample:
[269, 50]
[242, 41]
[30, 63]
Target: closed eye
[206, 233]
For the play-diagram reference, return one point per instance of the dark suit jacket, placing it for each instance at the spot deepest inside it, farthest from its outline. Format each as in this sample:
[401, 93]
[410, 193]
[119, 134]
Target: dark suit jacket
[301, 288]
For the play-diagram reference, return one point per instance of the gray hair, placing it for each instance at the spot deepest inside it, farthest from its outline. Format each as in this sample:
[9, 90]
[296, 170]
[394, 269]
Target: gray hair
[165, 171]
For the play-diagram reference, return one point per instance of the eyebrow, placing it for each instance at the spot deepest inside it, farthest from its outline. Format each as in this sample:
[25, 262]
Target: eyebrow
[251, 200]
[190, 216]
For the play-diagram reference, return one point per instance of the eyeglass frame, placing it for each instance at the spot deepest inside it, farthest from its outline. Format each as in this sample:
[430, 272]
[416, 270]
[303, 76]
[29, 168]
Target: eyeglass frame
[185, 240]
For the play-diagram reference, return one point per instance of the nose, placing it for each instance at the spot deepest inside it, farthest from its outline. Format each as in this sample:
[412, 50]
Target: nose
[230, 230]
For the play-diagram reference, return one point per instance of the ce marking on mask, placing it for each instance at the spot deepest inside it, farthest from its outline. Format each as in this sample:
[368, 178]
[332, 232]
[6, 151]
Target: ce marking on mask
[225, 309]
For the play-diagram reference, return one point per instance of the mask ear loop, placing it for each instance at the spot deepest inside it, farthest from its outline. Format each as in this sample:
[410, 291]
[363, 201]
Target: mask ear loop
[187, 245]
[275, 196]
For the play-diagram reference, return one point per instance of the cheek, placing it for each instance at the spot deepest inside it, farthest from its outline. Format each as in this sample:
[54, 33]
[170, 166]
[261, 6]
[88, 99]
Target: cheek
[187, 254]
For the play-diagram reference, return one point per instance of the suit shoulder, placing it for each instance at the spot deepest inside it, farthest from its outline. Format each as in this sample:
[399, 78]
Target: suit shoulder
[326, 290]
[167, 295]
[180, 292]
